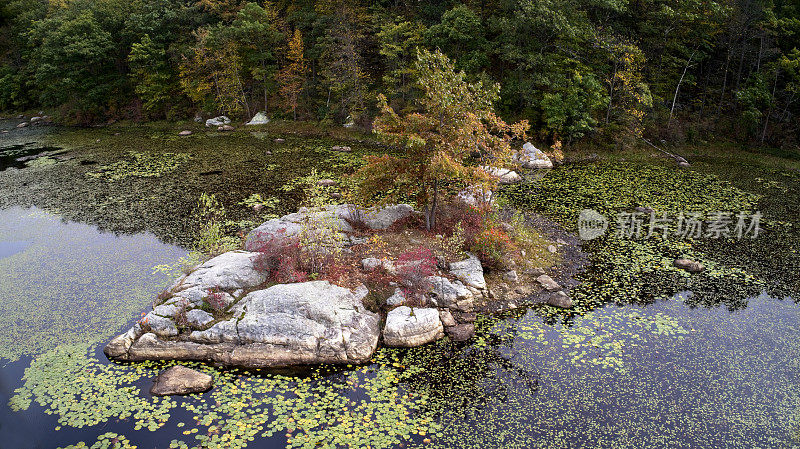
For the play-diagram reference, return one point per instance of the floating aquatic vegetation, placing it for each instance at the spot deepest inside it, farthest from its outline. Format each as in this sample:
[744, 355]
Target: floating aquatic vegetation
[108, 440]
[361, 407]
[71, 283]
[142, 165]
[640, 270]
[595, 338]
[622, 378]
[82, 392]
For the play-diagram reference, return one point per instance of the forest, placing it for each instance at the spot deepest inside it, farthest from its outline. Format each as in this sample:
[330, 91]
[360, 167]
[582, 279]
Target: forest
[603, 70]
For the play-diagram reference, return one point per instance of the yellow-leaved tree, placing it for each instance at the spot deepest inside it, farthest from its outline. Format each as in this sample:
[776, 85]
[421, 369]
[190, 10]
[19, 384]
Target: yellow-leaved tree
[451, 134]
[293, 75]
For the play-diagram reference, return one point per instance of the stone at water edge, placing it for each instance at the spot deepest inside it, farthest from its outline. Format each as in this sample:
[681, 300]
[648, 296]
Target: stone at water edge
[217, 121]
[453, 295]
[469, 271]
[504, 175]
[532, 157]
[447, 318]
[407, 327]
[259, 119]
[560, 299]
[548, 283]
[181, 380]
[461, 332]
[689, 265]
[23, 125]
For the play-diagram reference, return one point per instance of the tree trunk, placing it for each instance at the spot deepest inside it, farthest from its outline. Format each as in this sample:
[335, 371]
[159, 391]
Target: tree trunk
[430, 218]
[677, 88]
[611, 93]
[769, 109]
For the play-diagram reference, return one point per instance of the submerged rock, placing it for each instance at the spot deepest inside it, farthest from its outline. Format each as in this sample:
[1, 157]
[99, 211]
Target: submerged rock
[283, 325]
[689, 265]
[409, 327]
[181, 380]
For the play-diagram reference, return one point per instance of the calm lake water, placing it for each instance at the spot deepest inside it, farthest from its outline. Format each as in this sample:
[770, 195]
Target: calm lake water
[77, 258]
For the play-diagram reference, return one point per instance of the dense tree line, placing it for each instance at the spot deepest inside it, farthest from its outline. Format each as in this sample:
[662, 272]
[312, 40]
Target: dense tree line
[611, 69]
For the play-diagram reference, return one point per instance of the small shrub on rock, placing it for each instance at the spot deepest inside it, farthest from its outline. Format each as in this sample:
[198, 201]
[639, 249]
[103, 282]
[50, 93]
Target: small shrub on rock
[280, 258]
[215, 300]
[413, 269]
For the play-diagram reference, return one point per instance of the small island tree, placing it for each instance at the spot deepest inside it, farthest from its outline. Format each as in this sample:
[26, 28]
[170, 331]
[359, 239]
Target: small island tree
[447, 142]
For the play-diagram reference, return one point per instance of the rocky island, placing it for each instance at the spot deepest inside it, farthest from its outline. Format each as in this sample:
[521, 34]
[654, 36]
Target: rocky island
[231, 311]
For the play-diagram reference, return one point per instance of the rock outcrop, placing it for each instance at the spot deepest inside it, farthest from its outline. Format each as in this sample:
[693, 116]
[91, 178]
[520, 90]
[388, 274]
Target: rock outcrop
[283, 325]
[469, 271]
[337, 217]
[259, 119]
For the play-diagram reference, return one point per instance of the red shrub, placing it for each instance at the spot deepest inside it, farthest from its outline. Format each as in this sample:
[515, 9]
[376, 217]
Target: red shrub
[215, 299]
[491, 245]
[279, 258]
[413, 269]
[473, 221]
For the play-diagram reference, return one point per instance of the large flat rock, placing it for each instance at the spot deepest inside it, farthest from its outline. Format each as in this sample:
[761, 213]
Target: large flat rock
[283, 325]
[336, 217]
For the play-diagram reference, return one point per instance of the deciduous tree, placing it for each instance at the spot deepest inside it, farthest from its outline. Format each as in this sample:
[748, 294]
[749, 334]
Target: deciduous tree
[445, 142]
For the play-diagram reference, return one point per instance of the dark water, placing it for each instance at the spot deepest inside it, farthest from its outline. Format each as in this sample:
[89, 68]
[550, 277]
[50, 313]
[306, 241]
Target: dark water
[673, 373]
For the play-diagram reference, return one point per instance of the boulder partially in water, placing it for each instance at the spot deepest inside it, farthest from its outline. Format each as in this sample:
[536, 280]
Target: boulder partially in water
[283, 325]
[532, 157]
[178, 380]
[409, 327]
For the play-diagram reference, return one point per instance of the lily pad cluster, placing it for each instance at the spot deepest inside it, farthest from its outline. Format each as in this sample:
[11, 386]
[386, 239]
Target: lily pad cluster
[142, 165]
[641, 270]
